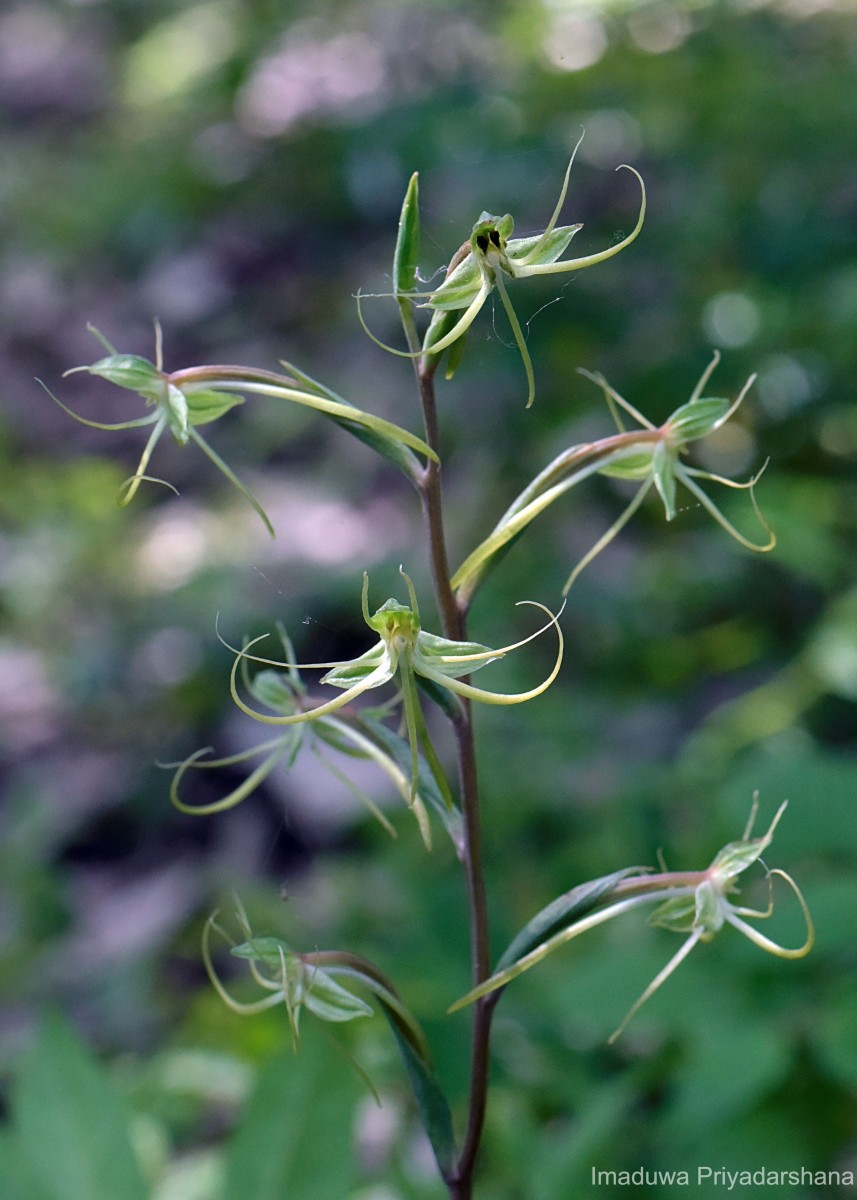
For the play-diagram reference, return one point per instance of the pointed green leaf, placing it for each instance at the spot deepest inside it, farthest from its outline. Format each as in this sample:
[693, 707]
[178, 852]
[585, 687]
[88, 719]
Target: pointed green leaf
[432, 1105]
[427, 788]
[17, 1181]
[73, 1132]
[400, 456]
[407, 250]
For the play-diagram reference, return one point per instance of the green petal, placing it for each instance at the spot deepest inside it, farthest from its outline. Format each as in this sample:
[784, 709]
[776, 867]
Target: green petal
[541, 249]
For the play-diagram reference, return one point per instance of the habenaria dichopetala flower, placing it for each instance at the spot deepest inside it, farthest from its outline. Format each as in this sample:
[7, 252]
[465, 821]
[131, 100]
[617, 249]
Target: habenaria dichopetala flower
[652, 455]
[490, 257]
[697, 903]
[408, 653]
[181, 401]
[349, 734]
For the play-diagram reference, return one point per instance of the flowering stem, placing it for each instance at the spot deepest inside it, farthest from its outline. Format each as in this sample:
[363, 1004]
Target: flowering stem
[453, 622]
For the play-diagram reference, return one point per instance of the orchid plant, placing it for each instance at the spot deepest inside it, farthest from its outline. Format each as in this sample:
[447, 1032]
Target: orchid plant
[415, 752]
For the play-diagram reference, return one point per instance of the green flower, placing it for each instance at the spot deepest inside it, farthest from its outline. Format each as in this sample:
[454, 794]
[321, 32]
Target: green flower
[181, 401]
[697, 903]
[487, 259]
[407, 652]
[652, 456]
[361, 736]
[308, 981]
[658, 461]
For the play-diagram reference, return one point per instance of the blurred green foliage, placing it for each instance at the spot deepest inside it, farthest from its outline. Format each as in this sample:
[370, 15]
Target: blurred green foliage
[236, 170]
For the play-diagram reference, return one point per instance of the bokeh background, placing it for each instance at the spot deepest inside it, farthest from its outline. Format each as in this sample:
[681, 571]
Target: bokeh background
[236, 170]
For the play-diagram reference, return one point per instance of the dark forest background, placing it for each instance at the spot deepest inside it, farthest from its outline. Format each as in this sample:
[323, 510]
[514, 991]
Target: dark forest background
[236, 170]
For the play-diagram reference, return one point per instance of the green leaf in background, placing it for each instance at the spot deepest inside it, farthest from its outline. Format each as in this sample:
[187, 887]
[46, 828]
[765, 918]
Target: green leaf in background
[294, 1141]
[73, 1133]
[16, 1178]
[730, 1067]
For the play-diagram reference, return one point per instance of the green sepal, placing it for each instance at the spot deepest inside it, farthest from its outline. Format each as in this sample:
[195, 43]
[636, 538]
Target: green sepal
[457, 291]
[702, 912]
[133, 372]
[634, 466]
[269, 951]
[709, 910]
[431, 647]
[735, 858]
[552, 246]
[177, 413]
[562, 912]
[406, 255]
[329, 1000]
[677, 915]
[204, 406]
[663, 473]
[697, 419]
